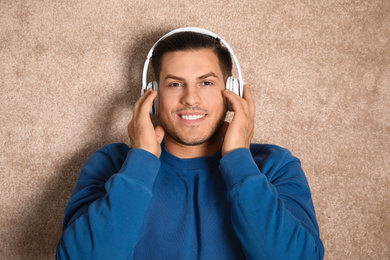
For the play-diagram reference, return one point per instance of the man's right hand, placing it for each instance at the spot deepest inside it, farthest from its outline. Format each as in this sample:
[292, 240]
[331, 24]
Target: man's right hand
[141, 131]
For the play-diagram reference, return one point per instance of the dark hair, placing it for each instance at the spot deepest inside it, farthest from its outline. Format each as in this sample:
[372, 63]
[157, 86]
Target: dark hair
[186, 41]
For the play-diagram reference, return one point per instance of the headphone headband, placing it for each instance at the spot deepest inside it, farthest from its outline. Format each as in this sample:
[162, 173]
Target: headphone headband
[196, 30]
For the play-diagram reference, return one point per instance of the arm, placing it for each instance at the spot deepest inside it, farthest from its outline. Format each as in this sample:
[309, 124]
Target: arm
[272, 211]
[104, 218]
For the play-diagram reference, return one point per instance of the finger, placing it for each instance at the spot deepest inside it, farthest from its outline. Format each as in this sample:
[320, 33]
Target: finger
[160, 133]
[145, 102]
[141, 99]
[237, 103]
[247, 93]
[145, 95]
[249, 98]
[225, 127]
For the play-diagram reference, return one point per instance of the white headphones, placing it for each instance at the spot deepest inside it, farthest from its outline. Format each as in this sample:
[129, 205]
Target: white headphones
[232, 83]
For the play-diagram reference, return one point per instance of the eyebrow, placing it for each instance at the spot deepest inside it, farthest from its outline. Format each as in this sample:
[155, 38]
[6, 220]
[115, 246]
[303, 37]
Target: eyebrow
[170, 76]
[210, 74]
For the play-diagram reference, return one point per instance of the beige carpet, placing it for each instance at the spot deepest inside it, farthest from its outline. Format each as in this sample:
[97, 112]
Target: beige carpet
[70, 73]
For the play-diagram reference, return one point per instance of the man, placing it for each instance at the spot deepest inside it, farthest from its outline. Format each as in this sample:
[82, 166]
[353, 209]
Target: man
[193, 187]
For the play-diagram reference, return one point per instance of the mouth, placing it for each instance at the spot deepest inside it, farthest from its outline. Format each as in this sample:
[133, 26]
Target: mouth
[192, 117]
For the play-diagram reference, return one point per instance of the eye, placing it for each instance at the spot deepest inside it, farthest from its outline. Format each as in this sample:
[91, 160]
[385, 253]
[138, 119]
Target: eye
[175, 84]
[207, 83]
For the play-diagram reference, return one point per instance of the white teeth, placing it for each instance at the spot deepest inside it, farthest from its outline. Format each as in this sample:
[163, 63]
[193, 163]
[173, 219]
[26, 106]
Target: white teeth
[192, 117]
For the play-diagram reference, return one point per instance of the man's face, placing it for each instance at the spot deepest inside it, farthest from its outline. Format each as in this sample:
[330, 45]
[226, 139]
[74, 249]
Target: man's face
[191, 106]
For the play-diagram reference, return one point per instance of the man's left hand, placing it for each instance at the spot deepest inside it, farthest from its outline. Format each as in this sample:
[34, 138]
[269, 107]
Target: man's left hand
[239, 133]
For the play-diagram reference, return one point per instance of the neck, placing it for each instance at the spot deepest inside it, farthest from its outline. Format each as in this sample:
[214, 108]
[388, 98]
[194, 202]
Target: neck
[185, 151]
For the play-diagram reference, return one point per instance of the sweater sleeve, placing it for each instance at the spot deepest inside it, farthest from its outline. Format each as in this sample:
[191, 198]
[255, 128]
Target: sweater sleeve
[104, 217]
[272, 210]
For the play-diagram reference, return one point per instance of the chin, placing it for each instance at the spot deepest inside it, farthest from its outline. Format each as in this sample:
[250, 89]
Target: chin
[192, 140]
[187, 140]
[193, 136]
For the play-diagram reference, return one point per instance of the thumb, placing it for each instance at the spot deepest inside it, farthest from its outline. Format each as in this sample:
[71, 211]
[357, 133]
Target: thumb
[160, 132]
[225, 127]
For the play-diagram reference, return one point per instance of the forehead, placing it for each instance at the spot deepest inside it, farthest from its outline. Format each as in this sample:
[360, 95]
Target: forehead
[191, 61]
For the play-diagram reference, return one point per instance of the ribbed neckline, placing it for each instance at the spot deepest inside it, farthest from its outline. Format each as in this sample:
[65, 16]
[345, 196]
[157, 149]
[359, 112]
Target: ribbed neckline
[189, 164]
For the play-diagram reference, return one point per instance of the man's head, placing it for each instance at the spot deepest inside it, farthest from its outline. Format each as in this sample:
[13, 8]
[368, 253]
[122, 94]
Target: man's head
[191, 70]
[186, 41]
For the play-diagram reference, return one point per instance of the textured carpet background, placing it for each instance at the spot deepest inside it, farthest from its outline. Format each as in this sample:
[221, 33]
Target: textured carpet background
[70, 73]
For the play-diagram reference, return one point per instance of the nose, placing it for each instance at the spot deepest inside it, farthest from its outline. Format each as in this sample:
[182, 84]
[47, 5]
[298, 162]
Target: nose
[191, 96]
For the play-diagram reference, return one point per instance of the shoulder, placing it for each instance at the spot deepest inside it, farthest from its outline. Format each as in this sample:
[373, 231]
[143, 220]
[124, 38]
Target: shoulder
[273, 160]
[115, 150]
[271, 152]
[109, 157]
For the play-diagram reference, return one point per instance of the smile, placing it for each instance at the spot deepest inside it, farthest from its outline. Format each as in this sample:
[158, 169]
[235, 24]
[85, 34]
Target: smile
[192, 117]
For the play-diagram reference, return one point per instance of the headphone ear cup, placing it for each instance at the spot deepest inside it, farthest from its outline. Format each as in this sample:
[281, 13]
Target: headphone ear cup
[154, 109]
[233, 85]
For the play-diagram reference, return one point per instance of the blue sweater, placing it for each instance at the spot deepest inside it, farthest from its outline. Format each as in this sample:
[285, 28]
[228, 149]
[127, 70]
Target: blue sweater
[250, 204]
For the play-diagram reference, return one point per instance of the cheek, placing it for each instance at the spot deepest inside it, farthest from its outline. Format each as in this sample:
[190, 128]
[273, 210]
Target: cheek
[217, 102]
[165, 106]
[162, 102]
